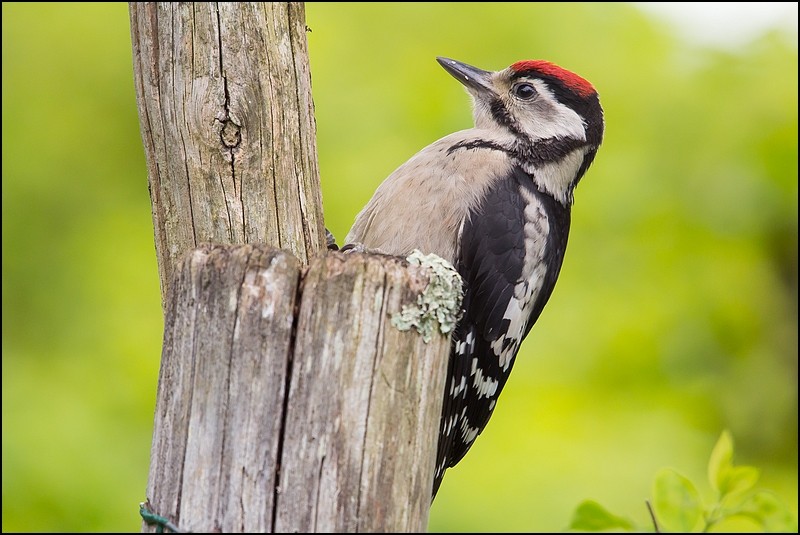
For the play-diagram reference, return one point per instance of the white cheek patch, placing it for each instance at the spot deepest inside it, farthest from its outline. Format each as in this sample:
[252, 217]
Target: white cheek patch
[549, 118]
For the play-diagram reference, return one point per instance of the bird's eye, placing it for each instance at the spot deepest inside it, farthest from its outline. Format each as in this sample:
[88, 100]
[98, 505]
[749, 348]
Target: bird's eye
[525, 91]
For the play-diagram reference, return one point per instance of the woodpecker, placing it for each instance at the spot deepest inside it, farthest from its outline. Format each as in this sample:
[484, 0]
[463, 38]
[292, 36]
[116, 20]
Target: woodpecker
[495, 201]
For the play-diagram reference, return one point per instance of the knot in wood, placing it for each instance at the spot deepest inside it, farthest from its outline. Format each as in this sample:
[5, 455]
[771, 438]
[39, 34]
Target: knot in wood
[231, 134]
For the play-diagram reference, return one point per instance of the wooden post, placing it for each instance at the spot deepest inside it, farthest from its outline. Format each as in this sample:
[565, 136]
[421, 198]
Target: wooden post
[221, 389]
[287, 398]
[227, 121]
[364, 404]
[333, 429]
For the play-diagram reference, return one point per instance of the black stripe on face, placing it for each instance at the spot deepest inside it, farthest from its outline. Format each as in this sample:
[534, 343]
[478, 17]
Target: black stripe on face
[542, 152]
[502, 117]
[476, 144]
[548, 150]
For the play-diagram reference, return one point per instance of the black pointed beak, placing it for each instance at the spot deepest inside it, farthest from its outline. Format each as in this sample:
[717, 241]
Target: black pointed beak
[477, 81]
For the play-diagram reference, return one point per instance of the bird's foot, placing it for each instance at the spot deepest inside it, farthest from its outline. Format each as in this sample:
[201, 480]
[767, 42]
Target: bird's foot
[331, 241]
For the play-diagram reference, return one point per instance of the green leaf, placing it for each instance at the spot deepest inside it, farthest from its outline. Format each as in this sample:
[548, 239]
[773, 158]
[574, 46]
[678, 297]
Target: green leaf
[721, 460]
[676, 502]
[768, 510]
[591, 516]
[738, 479]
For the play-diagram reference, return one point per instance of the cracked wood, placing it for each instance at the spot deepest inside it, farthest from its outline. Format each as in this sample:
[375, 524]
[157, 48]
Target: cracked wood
[287, 402]
[226, 115]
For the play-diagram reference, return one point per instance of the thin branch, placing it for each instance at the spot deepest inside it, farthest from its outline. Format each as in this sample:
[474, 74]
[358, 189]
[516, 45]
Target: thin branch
[652, 516]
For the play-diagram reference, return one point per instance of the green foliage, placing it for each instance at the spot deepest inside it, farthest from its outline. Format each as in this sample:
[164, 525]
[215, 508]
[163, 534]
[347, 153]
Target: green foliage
[675, 314]
[591, 516]
[677, 505]
[676, 501]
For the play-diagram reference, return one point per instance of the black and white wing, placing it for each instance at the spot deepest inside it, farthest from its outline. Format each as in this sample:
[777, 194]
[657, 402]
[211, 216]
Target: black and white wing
[510, 251]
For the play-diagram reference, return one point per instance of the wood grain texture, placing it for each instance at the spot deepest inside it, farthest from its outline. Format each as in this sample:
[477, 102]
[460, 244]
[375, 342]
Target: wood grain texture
[364, 402]
[227, 120]
[288, 402]
[224, 366]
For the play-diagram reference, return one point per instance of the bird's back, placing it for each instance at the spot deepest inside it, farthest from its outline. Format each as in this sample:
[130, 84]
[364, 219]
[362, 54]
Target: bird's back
[423, 203]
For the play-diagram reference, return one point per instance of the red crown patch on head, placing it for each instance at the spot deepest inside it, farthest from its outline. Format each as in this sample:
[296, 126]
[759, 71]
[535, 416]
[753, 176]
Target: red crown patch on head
[580, 85]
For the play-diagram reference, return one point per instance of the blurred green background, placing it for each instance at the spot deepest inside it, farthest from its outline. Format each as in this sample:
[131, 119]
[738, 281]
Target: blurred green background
[675, 315]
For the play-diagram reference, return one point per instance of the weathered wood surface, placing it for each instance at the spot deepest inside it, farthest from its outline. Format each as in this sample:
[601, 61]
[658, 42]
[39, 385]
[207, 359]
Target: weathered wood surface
[334, 431]
[364, 404]
[227, 120]
[221, 390]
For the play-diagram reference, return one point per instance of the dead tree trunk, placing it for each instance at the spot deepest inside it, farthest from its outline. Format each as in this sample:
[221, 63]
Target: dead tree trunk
[287, 399]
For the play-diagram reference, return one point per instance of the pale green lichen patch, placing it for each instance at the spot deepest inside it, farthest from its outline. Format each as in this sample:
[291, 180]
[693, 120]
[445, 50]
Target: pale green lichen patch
[438, 307]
